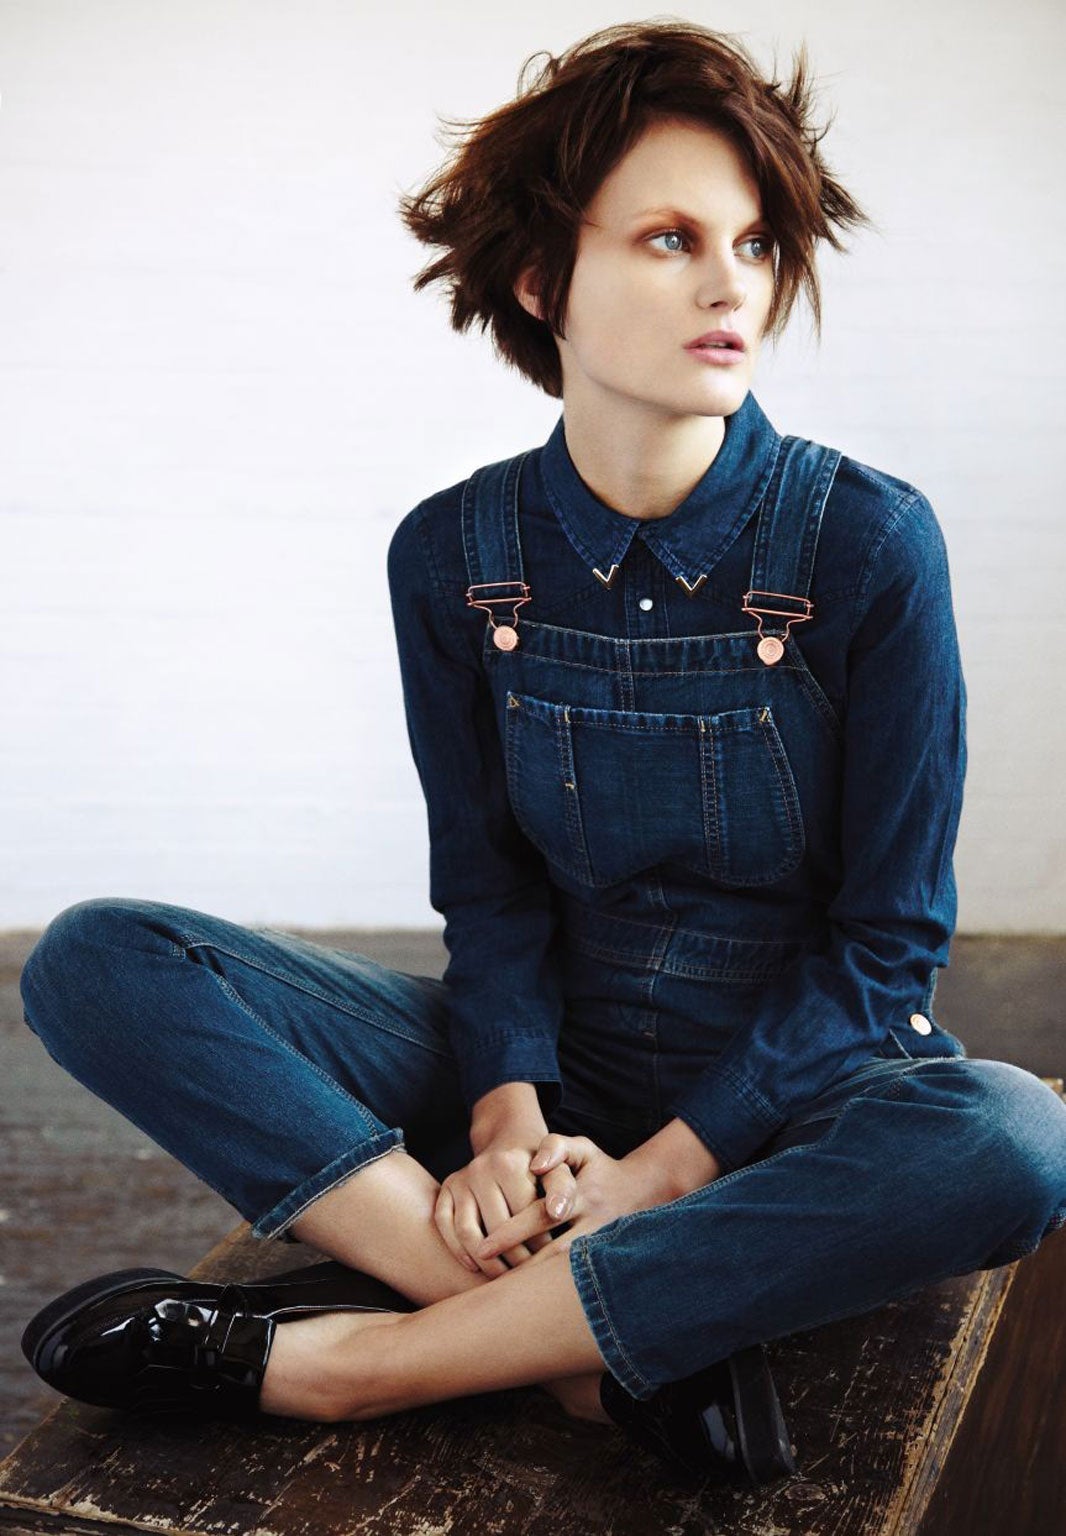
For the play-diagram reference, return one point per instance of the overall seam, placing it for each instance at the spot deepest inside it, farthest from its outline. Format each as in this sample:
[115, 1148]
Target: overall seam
[352, 1010]
[287, 1046]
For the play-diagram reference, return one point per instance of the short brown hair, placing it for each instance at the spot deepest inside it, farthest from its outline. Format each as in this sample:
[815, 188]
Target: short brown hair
[514, 191]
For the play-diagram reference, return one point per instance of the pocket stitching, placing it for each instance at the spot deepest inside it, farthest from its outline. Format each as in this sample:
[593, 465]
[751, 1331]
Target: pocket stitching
[712, 833]
[787, 783]
[574, 819]
[577, 862]
[787, 796]
[569, 865]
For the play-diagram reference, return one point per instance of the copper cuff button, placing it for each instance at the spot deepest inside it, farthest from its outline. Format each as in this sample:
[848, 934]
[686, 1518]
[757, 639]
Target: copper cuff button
[921, 1024]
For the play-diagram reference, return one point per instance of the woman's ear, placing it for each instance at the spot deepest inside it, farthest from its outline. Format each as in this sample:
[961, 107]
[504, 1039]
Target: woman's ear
[525, 291]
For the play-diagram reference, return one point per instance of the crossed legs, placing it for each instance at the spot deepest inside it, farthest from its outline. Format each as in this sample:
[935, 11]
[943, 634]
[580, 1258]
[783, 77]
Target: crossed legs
[143, 1002]
[472, 1333]
[956, 1165]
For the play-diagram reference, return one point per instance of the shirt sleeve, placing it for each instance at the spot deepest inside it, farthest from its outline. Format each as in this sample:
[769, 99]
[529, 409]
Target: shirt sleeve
[487, 880]
[893, 914]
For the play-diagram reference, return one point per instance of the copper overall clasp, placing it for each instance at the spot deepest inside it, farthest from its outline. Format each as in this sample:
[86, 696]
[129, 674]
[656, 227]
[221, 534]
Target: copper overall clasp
[770, 648]
[504, 636]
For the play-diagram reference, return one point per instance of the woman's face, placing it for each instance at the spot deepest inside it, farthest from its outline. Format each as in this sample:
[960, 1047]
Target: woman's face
[673, 246]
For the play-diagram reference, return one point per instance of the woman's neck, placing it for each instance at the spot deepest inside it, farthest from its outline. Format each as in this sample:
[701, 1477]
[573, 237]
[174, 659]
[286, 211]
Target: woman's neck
[640, 464]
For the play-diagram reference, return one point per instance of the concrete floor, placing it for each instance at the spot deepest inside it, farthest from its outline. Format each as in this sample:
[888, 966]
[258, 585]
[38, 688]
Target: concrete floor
[87, 1192]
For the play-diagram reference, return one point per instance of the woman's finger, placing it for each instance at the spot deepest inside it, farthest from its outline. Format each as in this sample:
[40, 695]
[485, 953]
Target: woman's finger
[514, 1231]
[444, 1221]
[483, 1206]
[551, 1151]
[470, 1231]
[452, 1215]
[559, 1189]
[514, 1251]
[539, 1241]
[549, 1164]
[561, 1244]
[535, 1218]
[499, 1197]
[556, 1149]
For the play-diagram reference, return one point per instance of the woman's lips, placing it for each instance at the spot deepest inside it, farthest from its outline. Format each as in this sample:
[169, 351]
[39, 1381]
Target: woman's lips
[724, 357]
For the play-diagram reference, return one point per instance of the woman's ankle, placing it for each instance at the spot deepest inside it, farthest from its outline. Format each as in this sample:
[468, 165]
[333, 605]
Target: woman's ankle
[579, 1396]
[322, 1368]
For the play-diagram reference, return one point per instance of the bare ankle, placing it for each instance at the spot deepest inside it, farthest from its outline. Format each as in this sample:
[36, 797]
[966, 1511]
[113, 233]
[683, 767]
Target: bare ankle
[321, 1368]
[579, 1397]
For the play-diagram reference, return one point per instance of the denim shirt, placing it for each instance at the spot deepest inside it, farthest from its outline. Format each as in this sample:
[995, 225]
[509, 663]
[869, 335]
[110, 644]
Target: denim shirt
[861, 900]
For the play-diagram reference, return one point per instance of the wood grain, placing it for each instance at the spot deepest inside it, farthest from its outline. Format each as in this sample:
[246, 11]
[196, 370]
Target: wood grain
[901, 1417]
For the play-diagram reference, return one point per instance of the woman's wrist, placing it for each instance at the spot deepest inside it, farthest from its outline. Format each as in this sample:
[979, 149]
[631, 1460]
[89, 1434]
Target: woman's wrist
[673, 1162]
[510, 1110]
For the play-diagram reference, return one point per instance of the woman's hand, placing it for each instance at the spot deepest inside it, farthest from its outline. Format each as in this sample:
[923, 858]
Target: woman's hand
[485, 1195]
[506, 1128]
[601, 1188]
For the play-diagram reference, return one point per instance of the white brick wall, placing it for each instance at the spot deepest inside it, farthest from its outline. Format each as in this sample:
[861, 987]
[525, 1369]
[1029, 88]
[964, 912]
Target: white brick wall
[218, 395]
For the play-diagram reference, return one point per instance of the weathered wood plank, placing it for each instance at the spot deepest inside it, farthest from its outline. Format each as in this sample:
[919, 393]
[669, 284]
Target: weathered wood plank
[1007, 1466]
[874, 1402]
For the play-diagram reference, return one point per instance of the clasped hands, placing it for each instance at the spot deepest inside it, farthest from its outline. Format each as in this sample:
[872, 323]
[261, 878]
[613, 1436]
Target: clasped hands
[490, 1210]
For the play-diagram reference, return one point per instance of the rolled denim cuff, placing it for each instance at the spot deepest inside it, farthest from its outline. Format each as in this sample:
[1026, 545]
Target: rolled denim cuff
[590, 1292]
[276, 1222]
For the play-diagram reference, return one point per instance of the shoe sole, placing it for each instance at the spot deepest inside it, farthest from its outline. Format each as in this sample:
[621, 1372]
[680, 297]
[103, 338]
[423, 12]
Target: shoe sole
[37, 1333]
[761, 1428]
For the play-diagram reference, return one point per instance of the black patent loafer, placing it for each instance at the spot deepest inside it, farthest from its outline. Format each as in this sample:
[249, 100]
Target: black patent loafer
[151, 1341]
[724, 1423]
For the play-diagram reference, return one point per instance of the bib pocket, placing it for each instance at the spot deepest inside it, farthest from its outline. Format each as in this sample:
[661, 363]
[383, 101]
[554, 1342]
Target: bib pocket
[607, 793]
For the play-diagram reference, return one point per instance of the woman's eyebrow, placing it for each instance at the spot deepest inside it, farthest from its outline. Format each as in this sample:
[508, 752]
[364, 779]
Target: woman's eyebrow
[686, 218]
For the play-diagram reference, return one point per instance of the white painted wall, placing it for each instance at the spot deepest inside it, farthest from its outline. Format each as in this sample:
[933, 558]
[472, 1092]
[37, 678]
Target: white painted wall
[219, 394]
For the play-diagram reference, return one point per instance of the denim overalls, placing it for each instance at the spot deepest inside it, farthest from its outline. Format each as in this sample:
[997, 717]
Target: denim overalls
[692, 774]
[657, 766]
[663, 780]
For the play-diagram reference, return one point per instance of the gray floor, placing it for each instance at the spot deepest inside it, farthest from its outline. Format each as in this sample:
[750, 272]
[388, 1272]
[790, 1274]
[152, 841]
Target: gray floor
[87, 1192]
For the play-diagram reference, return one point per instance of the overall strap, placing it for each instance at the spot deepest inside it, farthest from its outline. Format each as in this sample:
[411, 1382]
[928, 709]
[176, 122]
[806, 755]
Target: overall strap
[492, 547]
[786, 536]
[490, 523]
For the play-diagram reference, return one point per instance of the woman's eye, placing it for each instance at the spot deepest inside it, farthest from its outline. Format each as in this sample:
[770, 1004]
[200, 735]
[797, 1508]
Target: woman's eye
[672, 234]
[765, 242]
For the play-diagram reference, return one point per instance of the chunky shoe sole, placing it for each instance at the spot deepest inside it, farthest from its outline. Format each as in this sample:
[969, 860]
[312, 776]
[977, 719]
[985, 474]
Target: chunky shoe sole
[43, 1329]
[724, 1422]
[154, 1341]
[60, 1311]
[761, 1429]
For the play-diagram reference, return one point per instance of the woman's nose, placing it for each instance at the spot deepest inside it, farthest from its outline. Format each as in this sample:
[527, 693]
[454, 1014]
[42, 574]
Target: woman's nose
[722, 283]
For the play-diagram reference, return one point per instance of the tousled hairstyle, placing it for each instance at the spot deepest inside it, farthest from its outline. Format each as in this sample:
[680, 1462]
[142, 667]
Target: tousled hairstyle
[512, 194]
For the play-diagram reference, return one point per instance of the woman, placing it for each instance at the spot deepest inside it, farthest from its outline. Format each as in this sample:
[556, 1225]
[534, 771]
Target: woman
[686, 702]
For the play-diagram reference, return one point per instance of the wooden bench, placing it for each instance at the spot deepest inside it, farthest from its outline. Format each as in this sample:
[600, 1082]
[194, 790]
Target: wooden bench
[940, 1414]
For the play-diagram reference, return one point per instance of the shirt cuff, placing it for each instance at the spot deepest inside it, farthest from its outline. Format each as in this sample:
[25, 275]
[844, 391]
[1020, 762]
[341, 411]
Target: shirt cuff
[730, 1117]
[485, 1063]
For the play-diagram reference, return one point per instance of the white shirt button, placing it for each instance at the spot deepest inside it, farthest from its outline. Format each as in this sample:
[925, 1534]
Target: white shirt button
[646, 603]
[921, 1024]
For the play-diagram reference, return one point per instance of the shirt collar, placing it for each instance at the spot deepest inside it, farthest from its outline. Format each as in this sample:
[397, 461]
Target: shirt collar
[693, 537]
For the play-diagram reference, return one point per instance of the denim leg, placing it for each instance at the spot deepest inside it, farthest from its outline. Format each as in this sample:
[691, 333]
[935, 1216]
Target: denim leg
[955, 1165]
[272, 1067]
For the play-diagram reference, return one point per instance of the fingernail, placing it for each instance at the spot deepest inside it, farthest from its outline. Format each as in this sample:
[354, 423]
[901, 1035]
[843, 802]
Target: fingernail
[557, 1205]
